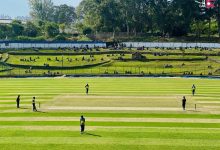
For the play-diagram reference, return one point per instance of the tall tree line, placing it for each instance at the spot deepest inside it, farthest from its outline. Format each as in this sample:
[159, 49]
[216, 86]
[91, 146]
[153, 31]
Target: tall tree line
[151, 17]
[164, 17]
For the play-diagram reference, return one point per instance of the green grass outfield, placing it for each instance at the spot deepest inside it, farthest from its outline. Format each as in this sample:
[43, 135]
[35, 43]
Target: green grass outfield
[121, 114]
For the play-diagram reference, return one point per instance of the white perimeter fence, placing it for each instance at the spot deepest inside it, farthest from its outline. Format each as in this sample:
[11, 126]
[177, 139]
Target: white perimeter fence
[48, 45]
[171, 45]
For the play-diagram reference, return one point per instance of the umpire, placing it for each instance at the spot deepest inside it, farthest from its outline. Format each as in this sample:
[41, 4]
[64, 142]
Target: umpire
[82, 124]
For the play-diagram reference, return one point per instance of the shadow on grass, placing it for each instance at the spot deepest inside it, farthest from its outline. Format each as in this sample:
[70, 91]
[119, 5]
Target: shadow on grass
[38, 111]
[91, 134]
[23, 108]
[193, 110]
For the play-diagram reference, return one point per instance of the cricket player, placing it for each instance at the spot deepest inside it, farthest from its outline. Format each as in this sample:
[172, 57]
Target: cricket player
[82, 124]
[18, 101]
[193, 89]
[34, 104]
[184, 103]
[87, 89]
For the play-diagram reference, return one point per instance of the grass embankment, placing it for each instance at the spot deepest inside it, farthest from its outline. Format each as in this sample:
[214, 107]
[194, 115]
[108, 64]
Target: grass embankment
[159, 61]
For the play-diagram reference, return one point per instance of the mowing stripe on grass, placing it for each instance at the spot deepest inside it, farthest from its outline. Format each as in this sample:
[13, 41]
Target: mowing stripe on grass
[109, 119]
[126, 124]
[101, 147]
[101, 140]
[119, 129]
[107, 134]
[113, 115]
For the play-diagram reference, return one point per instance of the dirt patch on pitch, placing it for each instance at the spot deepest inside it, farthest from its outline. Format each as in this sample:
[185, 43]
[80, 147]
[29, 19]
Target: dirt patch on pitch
[66, 101]
[117, 108]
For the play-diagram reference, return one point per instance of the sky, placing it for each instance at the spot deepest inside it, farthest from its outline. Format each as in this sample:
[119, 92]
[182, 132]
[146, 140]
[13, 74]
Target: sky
[14, 8]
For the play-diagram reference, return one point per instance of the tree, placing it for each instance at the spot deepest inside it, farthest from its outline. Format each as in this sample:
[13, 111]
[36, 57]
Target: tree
[87, 30]
[64, 14]
[62, 27]
[17, 28]
[88, 14]
[51, 29]
[31, 29]
[217, 14]
[60, 38]
[135, 15]
[5, 31]
[161, 11]
[208, 16]
[41, 10]
[183, 14]
[110, 15]
[198, 27]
